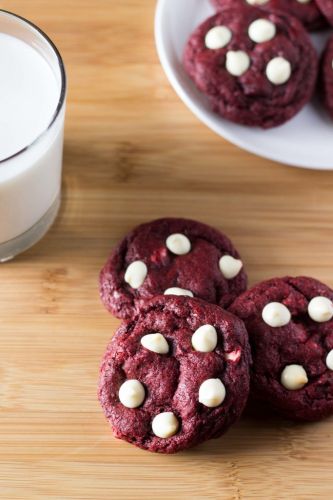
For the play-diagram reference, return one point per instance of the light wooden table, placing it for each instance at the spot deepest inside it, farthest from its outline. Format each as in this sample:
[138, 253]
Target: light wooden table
[133, 152]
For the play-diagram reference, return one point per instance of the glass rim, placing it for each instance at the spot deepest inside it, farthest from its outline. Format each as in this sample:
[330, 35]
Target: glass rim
[63, 89]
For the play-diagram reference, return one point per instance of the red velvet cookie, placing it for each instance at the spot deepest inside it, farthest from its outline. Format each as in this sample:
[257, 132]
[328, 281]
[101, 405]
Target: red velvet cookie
[290, 326]
[171, 256]
[326, 77]
[306, 11]
[176, 375]
[257, 67]
[326, 7]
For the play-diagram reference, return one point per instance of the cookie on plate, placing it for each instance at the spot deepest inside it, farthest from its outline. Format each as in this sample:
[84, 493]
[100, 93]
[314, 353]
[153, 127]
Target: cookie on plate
[290, 327]
[326, 77]
[176, 375]
[306, 11]
[171, 256]
[326, 7]
[257, 67]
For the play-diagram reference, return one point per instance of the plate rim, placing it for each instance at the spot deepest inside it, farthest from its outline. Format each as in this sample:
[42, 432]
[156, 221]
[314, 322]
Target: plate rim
[221, 130]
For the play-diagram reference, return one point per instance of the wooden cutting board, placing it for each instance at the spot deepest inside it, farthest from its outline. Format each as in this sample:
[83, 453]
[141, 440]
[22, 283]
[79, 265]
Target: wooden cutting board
[133, 152]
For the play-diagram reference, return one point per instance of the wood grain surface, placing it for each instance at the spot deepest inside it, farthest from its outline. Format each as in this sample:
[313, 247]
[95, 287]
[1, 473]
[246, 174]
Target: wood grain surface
[133, 152]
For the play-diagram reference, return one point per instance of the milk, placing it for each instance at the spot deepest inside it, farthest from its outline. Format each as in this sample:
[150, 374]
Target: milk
[29, 94]
[30, 182]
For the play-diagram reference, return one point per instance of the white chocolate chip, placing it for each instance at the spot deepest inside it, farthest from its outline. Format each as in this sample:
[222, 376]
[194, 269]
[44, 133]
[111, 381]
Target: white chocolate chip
[304, 1]
[179, 244]
[212, 393]
[276, 314]
[278, 70]
[257, 2]
[165, 425]
[136, 274]
[132, 393]
[230, 267]
[218, 37]
[320, 309]
[262, 30]
[237, 62]
[204, 339]
[294, 377]
[329, 360]
[178, 291]
[155, 342]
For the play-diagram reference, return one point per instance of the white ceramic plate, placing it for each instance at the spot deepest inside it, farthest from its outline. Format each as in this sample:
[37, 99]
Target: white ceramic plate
[305, 141]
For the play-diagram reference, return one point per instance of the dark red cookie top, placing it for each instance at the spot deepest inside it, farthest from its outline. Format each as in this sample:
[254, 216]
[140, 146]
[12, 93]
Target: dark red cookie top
[167, 254]
[306, 11]
[326, 7]
[290, 326]
[326, 77]
[257, 67]
[175, 376]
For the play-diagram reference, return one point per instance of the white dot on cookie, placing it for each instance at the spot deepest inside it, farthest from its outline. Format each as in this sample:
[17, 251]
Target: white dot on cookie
[320, 309]
[155, 342]
[132, 393]
[329, 360]
[218, 37]
[204, 339]
[178, 243]
[178, 291]
[294, 377]
[237, 62]
[278, 70]
[257, 2]
[230, 267]
[136, 274]
[165, 425]
[212, 393]
[276, 314]
[262, 30]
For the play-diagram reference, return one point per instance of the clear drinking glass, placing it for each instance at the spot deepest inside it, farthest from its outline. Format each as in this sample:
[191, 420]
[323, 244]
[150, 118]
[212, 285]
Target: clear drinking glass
[30, 179]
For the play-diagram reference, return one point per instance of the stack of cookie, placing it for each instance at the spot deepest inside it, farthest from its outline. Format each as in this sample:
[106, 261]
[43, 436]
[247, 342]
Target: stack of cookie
[178, 370]
[255, 62]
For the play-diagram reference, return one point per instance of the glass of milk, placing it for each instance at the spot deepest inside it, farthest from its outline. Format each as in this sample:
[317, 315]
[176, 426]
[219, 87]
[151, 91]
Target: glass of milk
[32, 112]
